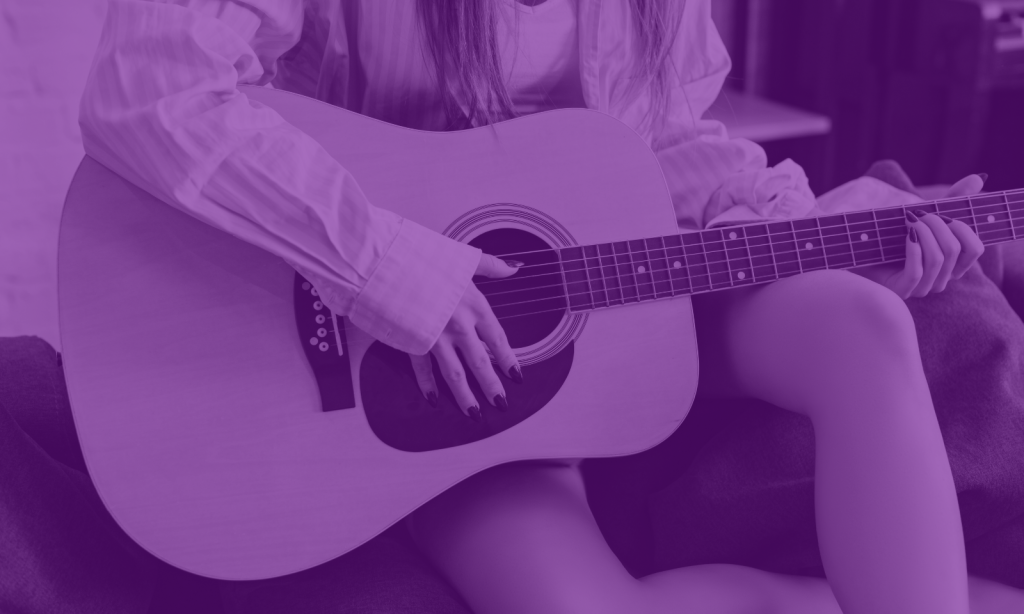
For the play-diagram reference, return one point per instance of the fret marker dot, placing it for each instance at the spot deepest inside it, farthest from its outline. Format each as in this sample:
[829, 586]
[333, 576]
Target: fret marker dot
[991, 218]
[640, 269]
[732, 235]
[677, 264]
[864, 236]
[741, 275]
[809, 245]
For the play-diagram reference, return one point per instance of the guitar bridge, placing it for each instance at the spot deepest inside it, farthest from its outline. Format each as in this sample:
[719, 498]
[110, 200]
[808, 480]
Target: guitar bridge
[322, 335]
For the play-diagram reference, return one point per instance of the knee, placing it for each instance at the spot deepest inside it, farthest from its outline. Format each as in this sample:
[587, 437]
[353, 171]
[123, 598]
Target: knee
[844, 311]
[847, 336]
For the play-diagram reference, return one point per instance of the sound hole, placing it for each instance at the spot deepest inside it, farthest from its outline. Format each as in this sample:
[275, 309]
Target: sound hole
[531, 303]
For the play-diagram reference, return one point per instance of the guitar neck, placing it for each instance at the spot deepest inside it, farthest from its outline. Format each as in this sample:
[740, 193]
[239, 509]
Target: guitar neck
[612, 274]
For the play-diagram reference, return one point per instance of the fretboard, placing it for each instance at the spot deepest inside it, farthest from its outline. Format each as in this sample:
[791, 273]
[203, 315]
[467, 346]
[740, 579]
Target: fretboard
[612, 274]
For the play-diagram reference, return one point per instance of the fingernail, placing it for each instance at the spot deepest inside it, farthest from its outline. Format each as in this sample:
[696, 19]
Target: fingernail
[946, 219]
[920, 213]
[474, 413]
[500, 402]
[984, 177]
[913, 235]
[514, 263]
[432, 398]
[515, 374]
[911, 217]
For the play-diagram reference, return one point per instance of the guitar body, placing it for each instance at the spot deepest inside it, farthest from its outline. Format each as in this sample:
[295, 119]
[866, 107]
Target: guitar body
[202, 422]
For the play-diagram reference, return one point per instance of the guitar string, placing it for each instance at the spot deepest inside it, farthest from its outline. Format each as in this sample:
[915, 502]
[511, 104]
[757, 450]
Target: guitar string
[893, 240]
[712, 285]
[817, 232]
[903, 208]
[874, 222]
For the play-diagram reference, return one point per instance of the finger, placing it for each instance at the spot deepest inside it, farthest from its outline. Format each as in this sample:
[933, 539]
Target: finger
[971, 184]
[931, 256]
[948, 244]
[494, 267]
[479, 364]
[907, 280]
[971, 247]
[424, 372]
[455, 375]
[493, 335]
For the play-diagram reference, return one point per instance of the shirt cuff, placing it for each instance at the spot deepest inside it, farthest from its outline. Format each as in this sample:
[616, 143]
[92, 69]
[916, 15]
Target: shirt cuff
[415, 288]
[775, 193]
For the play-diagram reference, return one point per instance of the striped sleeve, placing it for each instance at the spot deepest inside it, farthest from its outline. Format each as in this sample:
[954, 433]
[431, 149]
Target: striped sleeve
[162, 108]
[715, 179]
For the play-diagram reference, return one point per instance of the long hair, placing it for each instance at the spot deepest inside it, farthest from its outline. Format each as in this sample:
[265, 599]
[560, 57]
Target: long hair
[462, 41]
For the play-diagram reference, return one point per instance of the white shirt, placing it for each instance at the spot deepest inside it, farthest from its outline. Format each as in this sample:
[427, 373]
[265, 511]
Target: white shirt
[161, 108]
[541, 55]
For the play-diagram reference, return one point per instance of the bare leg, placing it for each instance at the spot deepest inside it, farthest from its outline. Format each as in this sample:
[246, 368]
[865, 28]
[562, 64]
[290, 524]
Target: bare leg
[843, 351]
[521, 538]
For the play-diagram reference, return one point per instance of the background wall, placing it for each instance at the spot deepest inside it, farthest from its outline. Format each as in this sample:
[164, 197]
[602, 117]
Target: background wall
[45, 50]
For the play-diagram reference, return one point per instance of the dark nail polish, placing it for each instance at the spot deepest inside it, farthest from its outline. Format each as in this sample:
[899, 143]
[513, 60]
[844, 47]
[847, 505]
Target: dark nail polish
[432, 398]
[500, 402]
[515, 374]
[911, 217]
[920, 213]
[984, 177]
[913, 235]
[474, 413]
[946, 219]
[514, 263]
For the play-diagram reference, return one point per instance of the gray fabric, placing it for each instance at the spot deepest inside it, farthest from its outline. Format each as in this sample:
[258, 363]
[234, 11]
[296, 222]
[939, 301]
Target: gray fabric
[61, 552]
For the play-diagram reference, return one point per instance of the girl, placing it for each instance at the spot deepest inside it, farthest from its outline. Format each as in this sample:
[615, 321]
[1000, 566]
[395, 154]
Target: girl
[162, 108]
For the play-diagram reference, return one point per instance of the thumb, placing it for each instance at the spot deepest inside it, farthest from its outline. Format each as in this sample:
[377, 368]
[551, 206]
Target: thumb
[968, 186]
[492, 266]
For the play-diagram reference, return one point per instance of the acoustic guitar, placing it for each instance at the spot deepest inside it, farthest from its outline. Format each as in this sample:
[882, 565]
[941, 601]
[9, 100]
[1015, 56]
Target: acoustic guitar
[237, 429]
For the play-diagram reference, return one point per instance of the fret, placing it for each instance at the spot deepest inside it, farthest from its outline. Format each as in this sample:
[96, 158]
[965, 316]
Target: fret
[577, 282]
[808, 242]
[679, 272]
[865, 245]
[595, 276]
[892, 233]
[1015, 203]
[835, 237]
[659, 268]
[738, 254]
[957, 210]
[641, 269]
[714, 257]
[974, 218]
[784, 250]
[624, 270]
[718, 264]
[993, 221]
[610, 273]
[1009, 215]
[759, 247]
[696, 262]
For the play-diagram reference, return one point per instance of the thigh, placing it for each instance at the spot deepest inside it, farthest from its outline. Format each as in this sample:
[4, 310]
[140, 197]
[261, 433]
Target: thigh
[521, 538]
[792, 341]
[383, 576]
